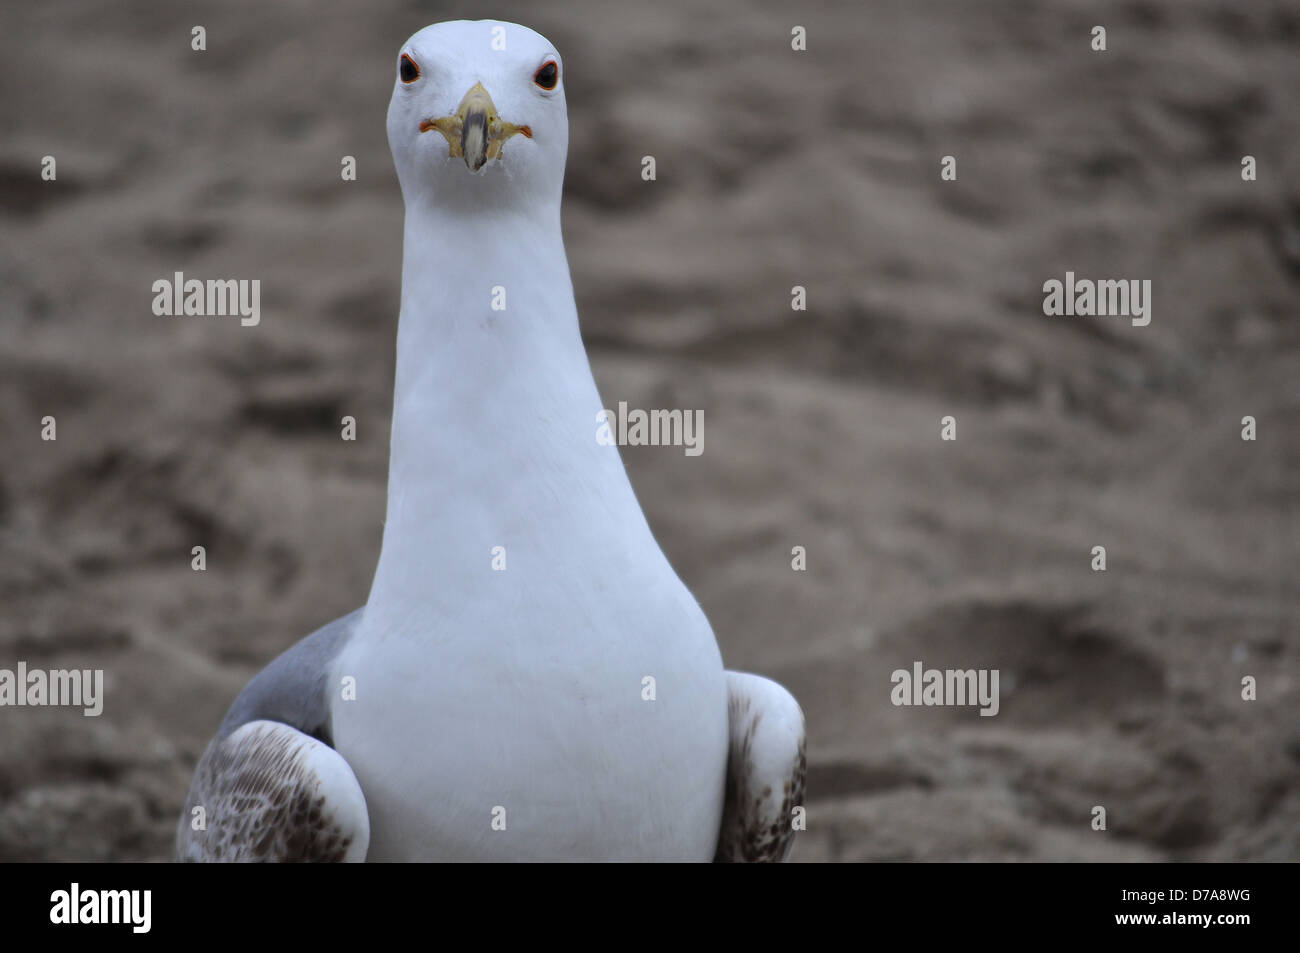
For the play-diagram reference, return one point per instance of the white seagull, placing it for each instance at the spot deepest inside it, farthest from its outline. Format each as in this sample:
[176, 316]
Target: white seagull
[529, 679]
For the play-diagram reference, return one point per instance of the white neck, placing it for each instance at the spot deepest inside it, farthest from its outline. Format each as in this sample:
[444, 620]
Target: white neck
[494, 418]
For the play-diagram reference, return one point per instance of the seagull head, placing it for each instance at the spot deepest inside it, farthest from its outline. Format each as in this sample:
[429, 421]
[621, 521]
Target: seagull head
[478, 114]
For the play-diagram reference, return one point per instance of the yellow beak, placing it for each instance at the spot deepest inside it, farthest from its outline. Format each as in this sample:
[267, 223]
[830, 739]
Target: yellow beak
[475, 130]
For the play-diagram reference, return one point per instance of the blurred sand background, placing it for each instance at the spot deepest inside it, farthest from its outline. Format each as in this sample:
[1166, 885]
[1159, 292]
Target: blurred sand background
[775, 168]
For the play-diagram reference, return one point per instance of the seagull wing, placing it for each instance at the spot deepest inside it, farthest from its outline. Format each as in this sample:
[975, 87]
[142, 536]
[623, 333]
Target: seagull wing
[765, 772]
[267, 792]
[270, 787]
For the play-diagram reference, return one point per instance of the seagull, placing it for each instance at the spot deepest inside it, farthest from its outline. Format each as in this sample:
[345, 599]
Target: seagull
[529, 679]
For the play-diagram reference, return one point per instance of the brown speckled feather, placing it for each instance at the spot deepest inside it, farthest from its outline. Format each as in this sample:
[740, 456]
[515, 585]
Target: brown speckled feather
[765, 772]
[270, 793]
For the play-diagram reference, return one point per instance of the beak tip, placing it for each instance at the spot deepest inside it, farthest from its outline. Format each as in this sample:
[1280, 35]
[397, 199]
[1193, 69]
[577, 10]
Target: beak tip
[475, 131]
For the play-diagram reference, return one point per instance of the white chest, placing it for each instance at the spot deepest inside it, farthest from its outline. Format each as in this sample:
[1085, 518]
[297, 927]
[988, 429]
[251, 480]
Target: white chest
[581, 724]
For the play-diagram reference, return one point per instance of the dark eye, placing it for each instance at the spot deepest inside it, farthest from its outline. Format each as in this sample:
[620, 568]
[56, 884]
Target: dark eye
[548, 75]
[408, 70]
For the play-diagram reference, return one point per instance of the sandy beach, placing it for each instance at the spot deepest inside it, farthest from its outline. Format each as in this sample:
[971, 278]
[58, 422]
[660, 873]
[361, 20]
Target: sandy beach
[776, 168]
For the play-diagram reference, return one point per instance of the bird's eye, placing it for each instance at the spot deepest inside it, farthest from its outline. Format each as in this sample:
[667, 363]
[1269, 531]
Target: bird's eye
[408, 70]
[548, 75]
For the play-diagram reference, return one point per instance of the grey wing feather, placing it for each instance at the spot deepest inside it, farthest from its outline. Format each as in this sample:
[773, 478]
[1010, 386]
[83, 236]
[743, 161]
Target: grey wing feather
[292, 689]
